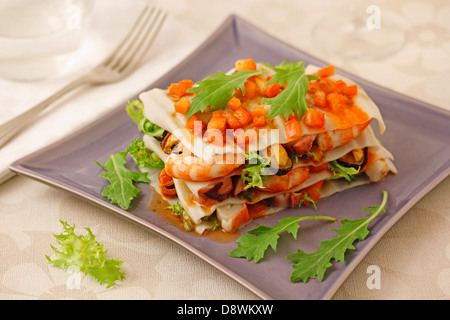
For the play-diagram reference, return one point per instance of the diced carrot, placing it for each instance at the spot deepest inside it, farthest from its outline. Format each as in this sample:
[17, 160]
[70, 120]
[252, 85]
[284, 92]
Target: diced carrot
[326, 72]
[320, 99]
[243, 115]
[338, 101]
[259, 121]
[261, 86]
[351, 91]
[218, 122]
[284, 86]
[245, 64]
[195, 124]
[293, 129]
[293, 116]
[250, 89]
[217, 113]
[234, 103]
[232, 121]
[179, 89]
[314, 118]
[273, 89]
[259, 111]
[182, 105]
[340, 86]
[326, 85]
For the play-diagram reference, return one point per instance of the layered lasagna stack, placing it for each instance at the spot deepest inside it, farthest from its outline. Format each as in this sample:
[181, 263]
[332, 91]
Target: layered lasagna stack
[227, 165]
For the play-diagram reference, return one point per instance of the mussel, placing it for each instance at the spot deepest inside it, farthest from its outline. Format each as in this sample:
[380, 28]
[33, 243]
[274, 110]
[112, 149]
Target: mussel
[356, 158]
[280, 162]
[169, 143]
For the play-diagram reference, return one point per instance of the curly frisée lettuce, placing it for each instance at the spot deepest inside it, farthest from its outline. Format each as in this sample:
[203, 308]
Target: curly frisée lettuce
[85, 254]
[135, 110]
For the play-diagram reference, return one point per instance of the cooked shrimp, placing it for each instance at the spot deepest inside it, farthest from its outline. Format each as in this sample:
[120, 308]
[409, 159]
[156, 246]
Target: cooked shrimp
[285, 182]
[188, 167]
[335, 138]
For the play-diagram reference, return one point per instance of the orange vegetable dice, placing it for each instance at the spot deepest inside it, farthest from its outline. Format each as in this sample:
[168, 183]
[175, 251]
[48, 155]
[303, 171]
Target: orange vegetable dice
[338, 101]
[261, 86]
[326, 72]
[234, 103]
[340, 86]
[243, 115]
[179, 89]
[232, 121]
[273, 89]
[293, 129]
[182, 105]
[195, 124]
[250, 89]
[351, 91]
[320, 99]
[245, 64]
[259, 111]
[259, 121]
[314, 118]
[218, 122]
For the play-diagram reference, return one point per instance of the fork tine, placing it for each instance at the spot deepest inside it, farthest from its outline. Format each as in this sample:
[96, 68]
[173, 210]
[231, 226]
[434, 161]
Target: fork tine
[135, 39]
[125, 42]
[147, 40]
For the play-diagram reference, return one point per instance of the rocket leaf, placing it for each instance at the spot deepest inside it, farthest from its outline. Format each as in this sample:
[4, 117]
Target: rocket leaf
[292, 99]
[254, 243]
[217, 89]
[122, 189]
[310, 266]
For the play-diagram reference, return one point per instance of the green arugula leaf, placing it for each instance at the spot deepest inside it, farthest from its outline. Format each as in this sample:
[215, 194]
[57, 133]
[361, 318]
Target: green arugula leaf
[121, 191]
[340, 171]
[144, 157]
[217, 89]
[135, 110]
[84, 254]
[310, 266]
[254, 243]
[292, 99]
[255, 165]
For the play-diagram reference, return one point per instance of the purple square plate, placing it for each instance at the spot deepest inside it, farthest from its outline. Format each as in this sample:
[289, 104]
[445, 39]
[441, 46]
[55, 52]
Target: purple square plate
[417, 134]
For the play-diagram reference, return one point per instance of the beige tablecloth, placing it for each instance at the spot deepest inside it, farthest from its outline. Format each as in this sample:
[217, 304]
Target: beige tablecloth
[413, 257]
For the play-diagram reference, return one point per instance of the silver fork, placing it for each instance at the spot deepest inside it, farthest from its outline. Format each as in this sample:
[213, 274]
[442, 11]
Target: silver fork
[118, 65]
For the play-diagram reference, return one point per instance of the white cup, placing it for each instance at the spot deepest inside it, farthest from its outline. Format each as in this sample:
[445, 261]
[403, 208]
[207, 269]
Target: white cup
[40, 39]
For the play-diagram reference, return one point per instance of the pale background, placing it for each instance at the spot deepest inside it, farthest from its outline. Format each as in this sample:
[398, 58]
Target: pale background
[414, 256]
